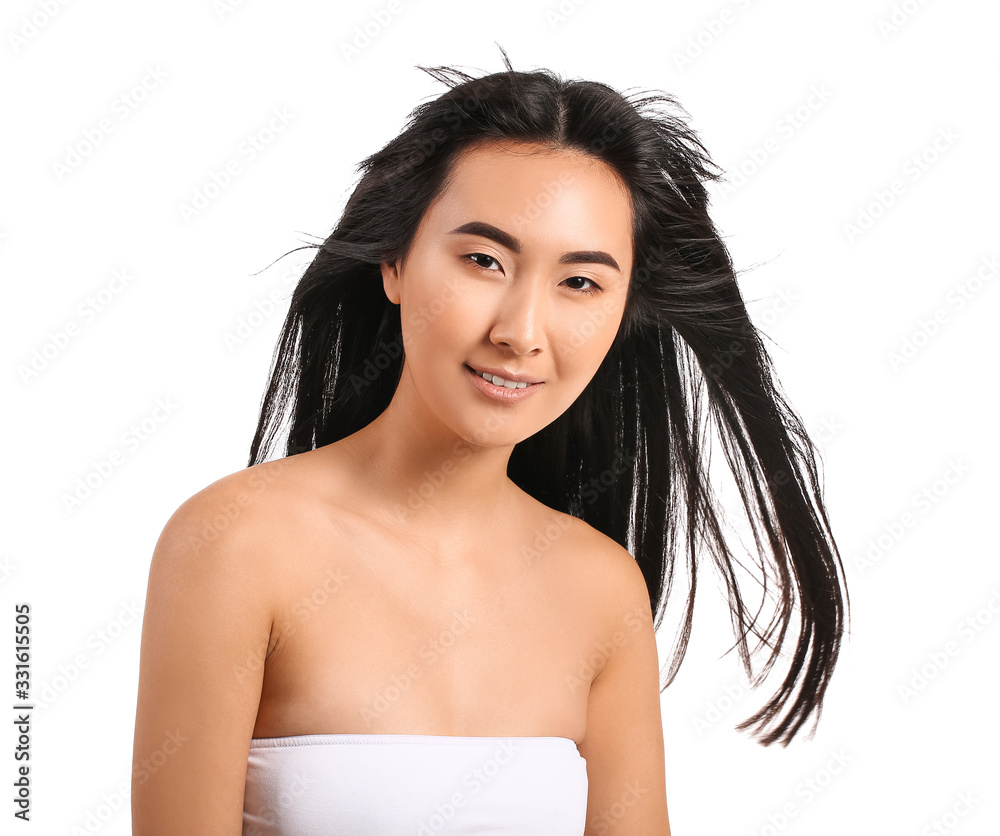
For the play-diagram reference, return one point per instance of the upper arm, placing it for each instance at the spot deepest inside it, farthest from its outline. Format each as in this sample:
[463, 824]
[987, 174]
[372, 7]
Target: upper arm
[205, 632]
[623, 745]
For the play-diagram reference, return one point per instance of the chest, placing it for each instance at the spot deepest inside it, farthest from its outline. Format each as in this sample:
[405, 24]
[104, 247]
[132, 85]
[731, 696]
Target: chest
[375, 643]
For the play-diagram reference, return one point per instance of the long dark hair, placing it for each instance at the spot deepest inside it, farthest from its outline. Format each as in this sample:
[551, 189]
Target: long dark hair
[630, 456]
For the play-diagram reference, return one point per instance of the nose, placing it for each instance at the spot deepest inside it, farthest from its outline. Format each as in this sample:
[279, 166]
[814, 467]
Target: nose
[520, 319]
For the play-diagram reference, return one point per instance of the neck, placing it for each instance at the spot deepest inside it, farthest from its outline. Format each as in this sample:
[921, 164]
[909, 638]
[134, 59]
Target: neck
[423, 475]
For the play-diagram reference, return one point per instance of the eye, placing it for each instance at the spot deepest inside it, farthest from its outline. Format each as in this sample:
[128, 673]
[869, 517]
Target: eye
[595, 289]
[473, 256]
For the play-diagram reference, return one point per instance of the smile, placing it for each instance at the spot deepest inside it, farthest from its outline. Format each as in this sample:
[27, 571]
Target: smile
[500, 389]
[496, 380]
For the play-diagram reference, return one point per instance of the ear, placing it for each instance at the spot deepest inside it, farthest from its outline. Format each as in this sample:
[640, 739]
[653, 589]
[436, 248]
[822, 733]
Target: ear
[390, 281]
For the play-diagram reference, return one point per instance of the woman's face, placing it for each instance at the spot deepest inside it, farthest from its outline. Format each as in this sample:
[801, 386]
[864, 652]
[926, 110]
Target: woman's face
[520, 265]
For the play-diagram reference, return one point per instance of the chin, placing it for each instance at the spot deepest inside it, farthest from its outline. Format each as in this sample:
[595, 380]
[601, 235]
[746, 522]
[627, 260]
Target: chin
[495, 431]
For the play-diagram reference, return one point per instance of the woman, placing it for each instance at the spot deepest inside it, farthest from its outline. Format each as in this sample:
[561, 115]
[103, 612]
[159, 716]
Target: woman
[435, 613]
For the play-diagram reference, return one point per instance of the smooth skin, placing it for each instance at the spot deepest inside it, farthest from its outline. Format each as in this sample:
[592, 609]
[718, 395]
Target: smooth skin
[283, 598]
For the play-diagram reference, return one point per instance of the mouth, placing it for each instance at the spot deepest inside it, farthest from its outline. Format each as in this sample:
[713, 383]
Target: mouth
[509, 380]
[499, 388]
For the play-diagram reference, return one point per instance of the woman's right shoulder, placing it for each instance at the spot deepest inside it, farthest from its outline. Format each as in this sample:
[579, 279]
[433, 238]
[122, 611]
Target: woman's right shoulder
[251, 506]
[208, 628]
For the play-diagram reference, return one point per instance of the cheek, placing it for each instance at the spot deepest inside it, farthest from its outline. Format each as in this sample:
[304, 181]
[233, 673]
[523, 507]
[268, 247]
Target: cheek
[441, 318]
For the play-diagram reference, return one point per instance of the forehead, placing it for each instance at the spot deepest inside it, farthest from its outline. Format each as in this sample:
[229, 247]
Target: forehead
[559, 198]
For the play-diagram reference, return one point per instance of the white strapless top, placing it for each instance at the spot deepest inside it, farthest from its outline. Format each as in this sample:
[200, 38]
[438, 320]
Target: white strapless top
[414, 785]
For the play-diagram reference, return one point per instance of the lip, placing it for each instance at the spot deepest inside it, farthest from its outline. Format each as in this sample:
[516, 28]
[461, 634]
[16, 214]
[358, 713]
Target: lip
[501, 393]
[506, 374]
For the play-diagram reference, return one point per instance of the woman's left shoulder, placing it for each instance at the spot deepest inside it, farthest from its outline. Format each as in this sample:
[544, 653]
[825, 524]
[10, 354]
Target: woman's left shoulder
[603, 585]
[585, 552]
[616, 571]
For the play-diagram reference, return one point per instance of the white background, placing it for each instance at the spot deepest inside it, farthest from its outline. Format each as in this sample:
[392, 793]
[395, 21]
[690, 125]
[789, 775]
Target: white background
[824, 106]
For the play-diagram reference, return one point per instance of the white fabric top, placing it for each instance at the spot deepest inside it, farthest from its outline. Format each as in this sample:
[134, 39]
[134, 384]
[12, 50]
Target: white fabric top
[414, 785]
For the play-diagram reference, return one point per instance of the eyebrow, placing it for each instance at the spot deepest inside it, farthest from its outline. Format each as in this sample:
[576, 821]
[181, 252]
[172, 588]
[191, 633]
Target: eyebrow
[508, 241]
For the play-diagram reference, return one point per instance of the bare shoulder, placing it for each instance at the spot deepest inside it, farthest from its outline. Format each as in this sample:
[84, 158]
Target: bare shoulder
[619, 571]
[607, 581]
[252, 505]
[618, 580]
[623, 743]
[608, 565]
[207, 626]
[223, 543]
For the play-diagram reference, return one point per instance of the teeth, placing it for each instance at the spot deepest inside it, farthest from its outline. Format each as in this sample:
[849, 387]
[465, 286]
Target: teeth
[496, 380]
